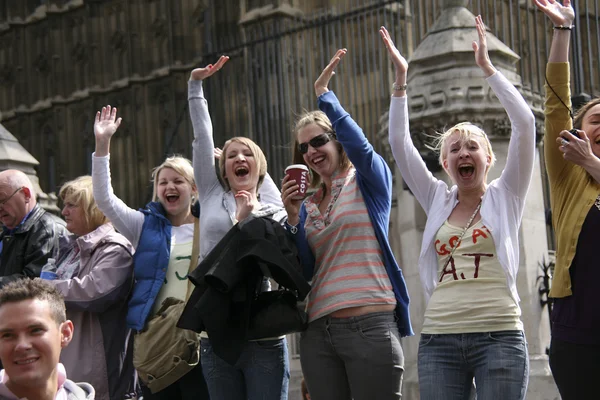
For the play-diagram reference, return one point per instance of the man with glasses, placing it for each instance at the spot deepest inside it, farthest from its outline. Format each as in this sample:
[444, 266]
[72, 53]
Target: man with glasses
[29, 233]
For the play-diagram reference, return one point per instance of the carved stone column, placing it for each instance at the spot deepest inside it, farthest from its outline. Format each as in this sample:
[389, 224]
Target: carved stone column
[14, 156]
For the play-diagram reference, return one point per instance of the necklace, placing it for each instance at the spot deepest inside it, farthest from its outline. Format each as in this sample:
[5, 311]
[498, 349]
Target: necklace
[463, 234]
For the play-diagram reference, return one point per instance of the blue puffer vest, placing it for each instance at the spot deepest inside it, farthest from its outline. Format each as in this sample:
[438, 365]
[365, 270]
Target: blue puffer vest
[150, 263]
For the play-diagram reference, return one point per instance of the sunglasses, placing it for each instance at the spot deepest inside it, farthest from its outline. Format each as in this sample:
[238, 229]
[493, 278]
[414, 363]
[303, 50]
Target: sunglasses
[315, 142]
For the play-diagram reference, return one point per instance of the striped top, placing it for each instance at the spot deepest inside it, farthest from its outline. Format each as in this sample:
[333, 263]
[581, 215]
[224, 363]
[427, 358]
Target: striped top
[349, 262]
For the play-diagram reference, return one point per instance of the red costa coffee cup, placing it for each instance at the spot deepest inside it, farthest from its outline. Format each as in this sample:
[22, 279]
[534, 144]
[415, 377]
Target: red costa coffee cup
[299, 173]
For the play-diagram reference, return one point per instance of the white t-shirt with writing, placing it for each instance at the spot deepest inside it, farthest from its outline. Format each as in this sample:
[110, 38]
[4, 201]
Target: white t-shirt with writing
[472, 293]
[176, 282]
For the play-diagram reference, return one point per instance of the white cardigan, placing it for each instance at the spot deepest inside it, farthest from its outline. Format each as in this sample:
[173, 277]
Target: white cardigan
[504, 200]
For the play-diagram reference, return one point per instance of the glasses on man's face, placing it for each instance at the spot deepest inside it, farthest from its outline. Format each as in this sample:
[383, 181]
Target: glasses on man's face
[315, 142]
[3, 202]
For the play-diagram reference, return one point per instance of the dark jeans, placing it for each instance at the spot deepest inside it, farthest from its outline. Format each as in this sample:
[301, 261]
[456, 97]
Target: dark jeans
[576, 369]
[356, 358]
[190, 387]
[497, 360]
[261, 373]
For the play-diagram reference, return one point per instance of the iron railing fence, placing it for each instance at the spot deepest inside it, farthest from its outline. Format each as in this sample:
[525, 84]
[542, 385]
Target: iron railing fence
[269, 79]
[275, 58]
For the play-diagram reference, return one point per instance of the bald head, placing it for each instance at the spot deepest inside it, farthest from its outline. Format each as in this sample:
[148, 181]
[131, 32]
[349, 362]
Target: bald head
[15, 179]
[17, 197]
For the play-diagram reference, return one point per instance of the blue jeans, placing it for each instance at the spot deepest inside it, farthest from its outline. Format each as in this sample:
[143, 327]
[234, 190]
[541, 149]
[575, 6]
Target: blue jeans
[261, 373]
[498, 361]
[356, 358]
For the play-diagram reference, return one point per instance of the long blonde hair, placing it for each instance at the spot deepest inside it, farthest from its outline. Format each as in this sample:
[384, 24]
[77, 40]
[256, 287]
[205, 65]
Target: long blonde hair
[318, 118]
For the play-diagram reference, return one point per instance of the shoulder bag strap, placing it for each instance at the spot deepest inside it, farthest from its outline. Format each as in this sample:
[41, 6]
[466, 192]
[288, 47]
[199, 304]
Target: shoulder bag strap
[195, 254]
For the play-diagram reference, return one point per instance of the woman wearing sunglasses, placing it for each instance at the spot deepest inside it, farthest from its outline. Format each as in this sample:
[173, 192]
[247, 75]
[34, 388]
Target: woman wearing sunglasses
[358, 306]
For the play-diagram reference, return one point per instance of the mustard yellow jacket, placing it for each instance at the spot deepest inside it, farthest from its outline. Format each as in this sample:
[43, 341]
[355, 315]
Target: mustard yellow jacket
[572, 190]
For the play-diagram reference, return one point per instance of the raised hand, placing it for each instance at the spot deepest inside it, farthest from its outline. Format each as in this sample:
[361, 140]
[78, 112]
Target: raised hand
[559, 14]
[323, 80]
[105, 125]
[200, 74]
[482, 58]
[217, 153]
[400, 63]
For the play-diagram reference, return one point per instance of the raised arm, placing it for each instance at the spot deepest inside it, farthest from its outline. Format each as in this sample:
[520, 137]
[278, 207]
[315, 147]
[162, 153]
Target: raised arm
[558, 94]
[367, 162]
[518, 171]
[127, 220]
[414, 172]
[561, 16]
[203, 158]
[577, 150]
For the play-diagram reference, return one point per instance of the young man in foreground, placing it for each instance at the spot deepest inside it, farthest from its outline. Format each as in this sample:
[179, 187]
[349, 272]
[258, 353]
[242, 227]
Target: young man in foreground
[33, 331]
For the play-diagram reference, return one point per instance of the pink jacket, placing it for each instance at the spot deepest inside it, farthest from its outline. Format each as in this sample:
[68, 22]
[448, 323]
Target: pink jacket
[96, 299]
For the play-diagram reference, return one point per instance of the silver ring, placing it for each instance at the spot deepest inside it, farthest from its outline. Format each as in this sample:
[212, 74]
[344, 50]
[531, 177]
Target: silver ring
[564, 142]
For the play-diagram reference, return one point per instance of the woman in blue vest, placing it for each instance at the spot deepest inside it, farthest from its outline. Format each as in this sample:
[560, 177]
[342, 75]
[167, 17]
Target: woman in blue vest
[162, 235]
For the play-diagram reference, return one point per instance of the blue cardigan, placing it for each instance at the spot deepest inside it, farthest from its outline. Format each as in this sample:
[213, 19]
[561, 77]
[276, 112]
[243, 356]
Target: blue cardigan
[150, 263]
[374, 180]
